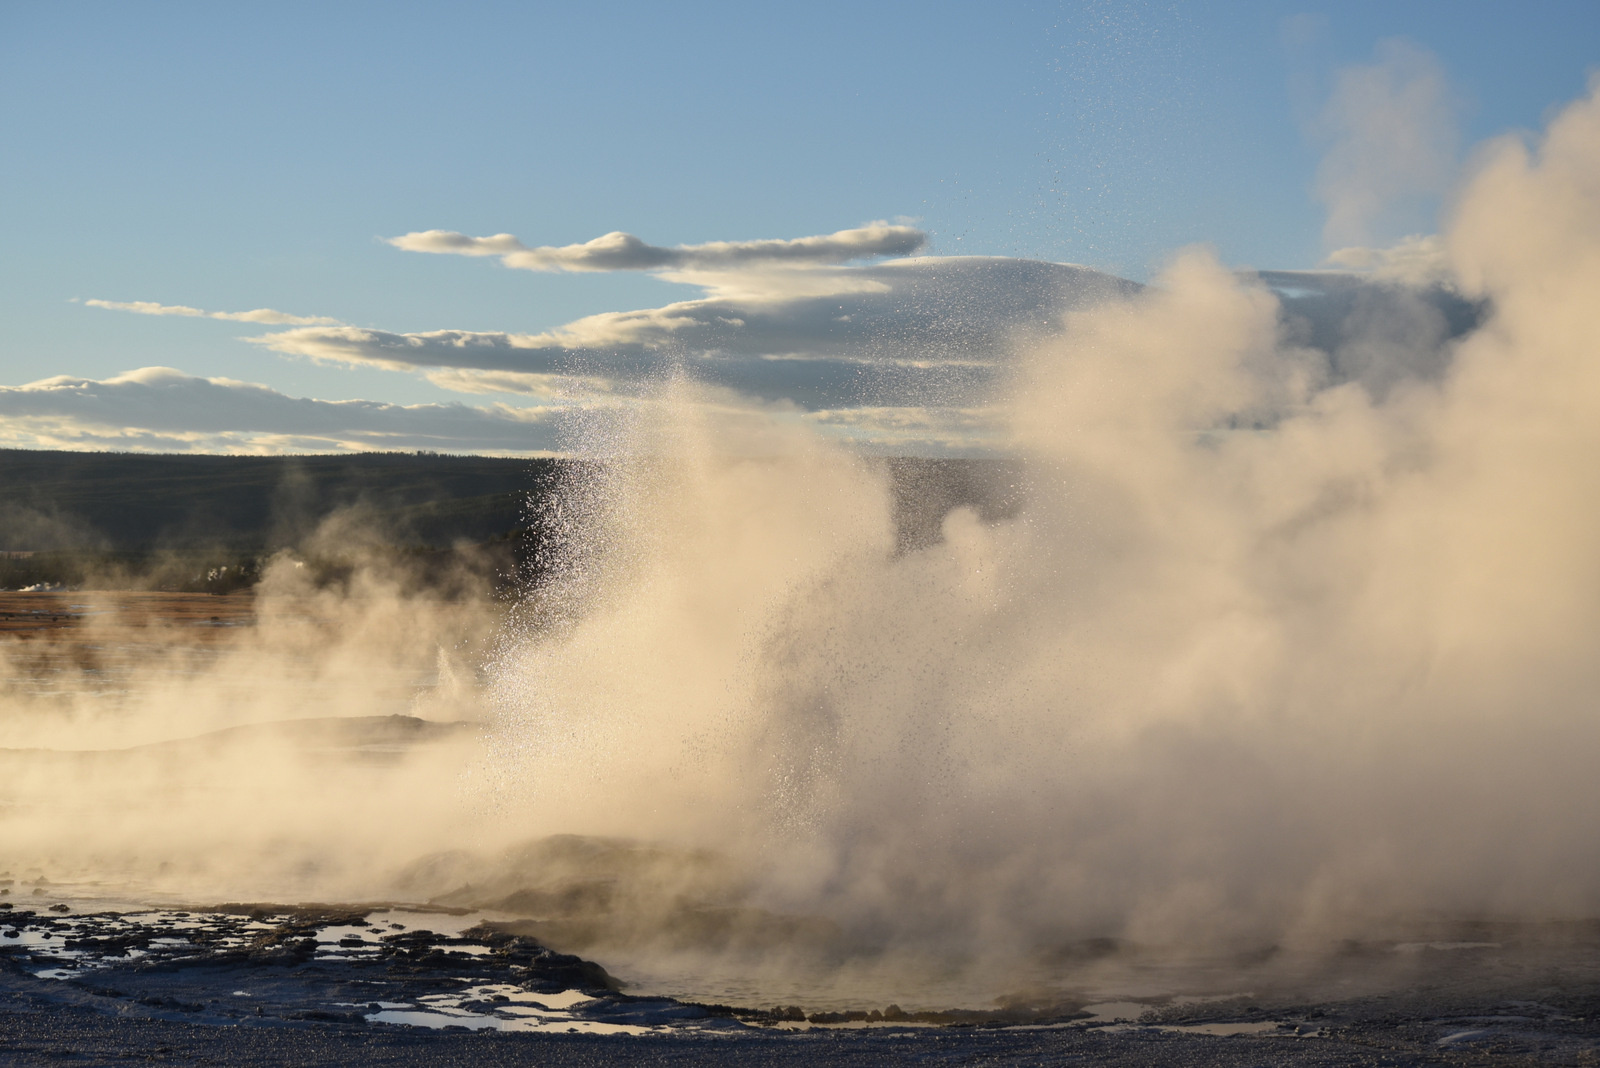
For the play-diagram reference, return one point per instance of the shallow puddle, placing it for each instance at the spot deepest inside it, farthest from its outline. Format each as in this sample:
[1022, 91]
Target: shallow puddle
[553, 1025]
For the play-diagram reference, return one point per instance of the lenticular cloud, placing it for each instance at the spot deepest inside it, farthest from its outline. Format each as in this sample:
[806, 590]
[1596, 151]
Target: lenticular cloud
[618, 251]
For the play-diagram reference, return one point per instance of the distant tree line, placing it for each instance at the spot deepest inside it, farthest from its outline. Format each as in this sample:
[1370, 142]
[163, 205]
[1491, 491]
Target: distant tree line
[212, 524]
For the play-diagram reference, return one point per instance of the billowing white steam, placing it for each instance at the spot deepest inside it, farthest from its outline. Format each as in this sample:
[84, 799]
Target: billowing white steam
[1275, 648]
[1262, 657]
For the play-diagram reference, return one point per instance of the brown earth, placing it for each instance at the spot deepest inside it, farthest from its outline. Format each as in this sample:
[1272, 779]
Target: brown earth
[57, 635]
[64, 615]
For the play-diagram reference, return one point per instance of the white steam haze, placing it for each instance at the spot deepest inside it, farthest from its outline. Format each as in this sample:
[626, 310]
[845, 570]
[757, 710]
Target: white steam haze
[1261, 658]
[1391, 141]
[140, 761]
[1274, 650]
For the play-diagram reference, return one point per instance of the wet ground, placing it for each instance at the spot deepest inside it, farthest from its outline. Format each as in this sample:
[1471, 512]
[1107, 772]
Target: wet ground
[261, 984]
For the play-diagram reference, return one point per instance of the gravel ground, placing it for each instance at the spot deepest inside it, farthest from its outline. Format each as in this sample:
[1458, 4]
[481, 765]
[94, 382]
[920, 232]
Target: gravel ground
[248, 985]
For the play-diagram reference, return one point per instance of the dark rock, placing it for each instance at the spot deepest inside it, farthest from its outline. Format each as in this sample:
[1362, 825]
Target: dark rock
[323, 1016]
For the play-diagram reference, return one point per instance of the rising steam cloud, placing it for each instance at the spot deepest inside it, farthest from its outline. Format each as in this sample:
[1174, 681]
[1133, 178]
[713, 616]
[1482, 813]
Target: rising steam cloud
[1391, 142]
[1267, 653]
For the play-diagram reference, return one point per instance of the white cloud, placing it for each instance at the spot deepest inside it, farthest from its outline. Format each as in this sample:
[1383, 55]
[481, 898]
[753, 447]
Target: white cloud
[162, 410]
[898, 356]
[904, 333]
[159, 409]
[546, 387]
[266, 316]
[778, 320]
[618, 251]
[891, 356]
[916, 431]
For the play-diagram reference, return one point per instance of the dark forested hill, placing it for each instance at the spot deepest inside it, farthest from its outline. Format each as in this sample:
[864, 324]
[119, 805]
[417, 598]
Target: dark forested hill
[136, 503]
[79, 517]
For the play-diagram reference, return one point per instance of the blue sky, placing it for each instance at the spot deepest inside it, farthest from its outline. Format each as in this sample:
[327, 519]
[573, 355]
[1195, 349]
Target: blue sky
[235, 157]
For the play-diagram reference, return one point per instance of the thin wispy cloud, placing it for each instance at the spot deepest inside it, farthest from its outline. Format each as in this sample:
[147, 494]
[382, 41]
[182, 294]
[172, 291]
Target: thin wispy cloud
[163, 410]
[618, 251]
[265, 316]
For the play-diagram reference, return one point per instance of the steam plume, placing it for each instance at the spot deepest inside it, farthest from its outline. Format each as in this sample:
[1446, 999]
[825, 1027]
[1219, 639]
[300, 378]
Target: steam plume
[1268, 655]
[1265, 656]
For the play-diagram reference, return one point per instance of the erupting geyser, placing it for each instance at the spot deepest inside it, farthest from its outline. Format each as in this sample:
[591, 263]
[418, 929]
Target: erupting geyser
[1281, 646]
[1275, 643]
